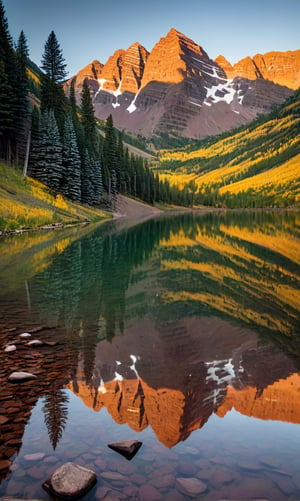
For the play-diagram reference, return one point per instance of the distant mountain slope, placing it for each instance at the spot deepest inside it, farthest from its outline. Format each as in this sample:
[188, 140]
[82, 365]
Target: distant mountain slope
[258, 165]
[282, 68]
[179, 91]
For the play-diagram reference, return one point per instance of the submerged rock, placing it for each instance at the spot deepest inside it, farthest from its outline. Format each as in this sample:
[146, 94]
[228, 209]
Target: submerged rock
[190, 486]
[36, 456]
[127, 448]
[35, 342]
[19, 377]
[71, 481]
[25, 335]
[10, 348]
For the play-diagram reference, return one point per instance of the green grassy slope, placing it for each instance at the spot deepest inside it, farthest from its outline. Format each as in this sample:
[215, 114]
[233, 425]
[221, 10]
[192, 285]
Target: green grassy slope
[257, 165]
[30, 204]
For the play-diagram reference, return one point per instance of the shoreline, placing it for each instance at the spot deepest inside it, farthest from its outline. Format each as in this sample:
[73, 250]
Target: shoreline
[128, 209]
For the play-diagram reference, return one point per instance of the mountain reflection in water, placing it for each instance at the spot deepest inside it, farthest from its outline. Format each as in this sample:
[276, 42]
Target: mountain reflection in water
[175, 385]
[165, 323]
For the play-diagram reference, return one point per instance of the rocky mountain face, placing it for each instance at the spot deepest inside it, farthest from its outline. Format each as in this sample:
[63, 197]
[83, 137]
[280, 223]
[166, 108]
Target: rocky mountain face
[177, 89]
[282, 68]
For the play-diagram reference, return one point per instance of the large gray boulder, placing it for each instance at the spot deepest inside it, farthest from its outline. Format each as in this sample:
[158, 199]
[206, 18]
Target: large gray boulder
[71, 481]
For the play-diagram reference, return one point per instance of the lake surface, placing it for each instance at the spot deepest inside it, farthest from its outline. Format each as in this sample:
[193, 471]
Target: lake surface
[181, 332]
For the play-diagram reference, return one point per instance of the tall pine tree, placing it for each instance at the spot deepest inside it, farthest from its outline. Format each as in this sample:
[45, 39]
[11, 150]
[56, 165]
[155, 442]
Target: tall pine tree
[88, 120]
[71, 178]
[91, 175]
[52, 93]
[22, 87]
[13, 95]
[49, 157]
[110, 160]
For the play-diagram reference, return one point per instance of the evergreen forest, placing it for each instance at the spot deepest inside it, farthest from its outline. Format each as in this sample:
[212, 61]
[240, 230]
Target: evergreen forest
[58, 140]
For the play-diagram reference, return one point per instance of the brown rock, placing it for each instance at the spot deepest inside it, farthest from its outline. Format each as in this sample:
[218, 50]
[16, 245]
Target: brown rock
[127, 448]
[113, 495]
[219, 478]
[36, 456]
[149, 493]
[163, 481]
[101, 463]
[101, 492]
[113, 476]
[3, 419]
[35, 472]
[190, 486]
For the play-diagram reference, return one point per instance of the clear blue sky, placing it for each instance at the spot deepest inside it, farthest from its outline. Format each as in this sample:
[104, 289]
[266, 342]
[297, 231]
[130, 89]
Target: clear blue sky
[94, 29]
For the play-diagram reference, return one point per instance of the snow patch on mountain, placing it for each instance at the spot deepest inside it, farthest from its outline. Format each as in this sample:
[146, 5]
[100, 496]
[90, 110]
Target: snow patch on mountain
[222, 92]
[132, 107]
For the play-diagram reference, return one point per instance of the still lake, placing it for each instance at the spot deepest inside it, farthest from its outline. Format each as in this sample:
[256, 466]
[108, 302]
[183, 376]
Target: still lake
[181, 332]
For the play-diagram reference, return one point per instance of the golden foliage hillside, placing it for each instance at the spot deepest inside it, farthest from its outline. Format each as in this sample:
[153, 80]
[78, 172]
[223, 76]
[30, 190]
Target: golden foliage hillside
[254, 166]
[30, 204]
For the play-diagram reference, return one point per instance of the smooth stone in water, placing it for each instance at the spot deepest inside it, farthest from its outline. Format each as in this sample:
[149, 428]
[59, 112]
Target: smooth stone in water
[149, 493]
[10, 348]
[127, 448]
[114, 476]
[36, 456]
[71, 480]
[25, 335]
[190, 486]
[18, 377]
[35, 342]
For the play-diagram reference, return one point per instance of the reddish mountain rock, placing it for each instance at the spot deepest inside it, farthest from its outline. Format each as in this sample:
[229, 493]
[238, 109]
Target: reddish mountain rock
[175, 58]
[92, 72]
[282, 68]
[134, 62]
[112, 71]
[178, 90]
[278, 401]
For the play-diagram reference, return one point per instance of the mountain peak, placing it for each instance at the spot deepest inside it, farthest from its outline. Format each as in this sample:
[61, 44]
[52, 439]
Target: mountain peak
[172, 58]
[173, 32]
